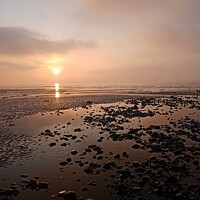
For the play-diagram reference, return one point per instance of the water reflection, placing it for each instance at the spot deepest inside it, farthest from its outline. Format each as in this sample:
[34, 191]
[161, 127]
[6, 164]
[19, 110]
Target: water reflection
[57, 87]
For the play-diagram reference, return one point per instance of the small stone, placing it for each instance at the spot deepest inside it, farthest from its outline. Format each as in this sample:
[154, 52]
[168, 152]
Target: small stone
[13, 183]
[68, 159]
[6, 192]
[53, 196]
[84, 189]
[88, 102]
[24, 175]
[70, 195]
[137, 188]
[16, 191]
[77, 130]
[124, 154]
[136, 146]
[172, 179]
[116, 156]
[63, 163]
[109, 165]
[74, 137]
[32, 183]
[152, 158]
[81, 164]
[61, 193]
[74, 152]
[43, 185]
[52, 144]
[196, 162]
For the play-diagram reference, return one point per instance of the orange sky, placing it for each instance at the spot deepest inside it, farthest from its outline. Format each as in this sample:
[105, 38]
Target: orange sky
[99, 42]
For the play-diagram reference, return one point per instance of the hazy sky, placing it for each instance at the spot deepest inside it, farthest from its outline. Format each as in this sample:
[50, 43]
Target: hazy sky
[99, 41]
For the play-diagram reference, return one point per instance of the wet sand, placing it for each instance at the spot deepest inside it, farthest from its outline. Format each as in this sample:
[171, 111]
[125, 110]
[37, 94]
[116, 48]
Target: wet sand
[141, 148]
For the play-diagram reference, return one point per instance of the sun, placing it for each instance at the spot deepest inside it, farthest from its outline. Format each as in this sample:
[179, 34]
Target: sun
[56, 70]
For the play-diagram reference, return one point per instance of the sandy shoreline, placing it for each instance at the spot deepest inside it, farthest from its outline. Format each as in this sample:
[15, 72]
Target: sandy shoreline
[138, 149]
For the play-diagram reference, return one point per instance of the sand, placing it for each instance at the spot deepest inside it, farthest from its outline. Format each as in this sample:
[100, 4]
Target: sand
[103, 147]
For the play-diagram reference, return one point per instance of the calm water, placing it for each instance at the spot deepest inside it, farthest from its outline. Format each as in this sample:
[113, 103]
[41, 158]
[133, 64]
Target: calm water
[59, 90]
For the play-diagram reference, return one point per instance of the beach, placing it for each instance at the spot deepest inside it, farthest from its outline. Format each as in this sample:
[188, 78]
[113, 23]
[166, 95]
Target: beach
[98, 144]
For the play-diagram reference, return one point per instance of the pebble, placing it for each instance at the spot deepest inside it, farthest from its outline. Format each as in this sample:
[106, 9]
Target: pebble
[70, 195]
[136, 146]
[24, 175]
[43, 185]
[52, 144]
[74, 152]
[84, 189]
[61, 193]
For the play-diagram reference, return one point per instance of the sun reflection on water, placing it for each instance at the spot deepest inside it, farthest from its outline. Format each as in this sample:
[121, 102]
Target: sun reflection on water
[57, 87]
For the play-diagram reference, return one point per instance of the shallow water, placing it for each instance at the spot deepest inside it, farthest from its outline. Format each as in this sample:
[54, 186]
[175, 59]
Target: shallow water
[43, 160]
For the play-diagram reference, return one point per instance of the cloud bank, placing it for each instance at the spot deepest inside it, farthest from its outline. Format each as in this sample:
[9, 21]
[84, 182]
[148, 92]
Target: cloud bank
[16, 41]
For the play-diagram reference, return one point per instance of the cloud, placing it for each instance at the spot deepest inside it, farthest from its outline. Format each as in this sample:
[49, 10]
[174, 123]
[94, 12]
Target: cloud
[16, 66]
[140, 15]
[139, 6]
[16, 41]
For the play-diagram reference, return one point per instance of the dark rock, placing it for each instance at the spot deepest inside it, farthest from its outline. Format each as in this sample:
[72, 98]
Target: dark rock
[63, 163]
[16, 191]
[116, 156]
[109, 165]
[43, 185]
[74, 137]
[121, 189]
[136, 146]
[6, 192]
[24, 175]
[136, 164]
[81, 164]
[84, 189]
[74, 152]
[88, 102]
[32, 184]
[99, 157]
[61, 193]
[91, 168]
[172, 179]
[70, 195]
[68, 159]
[137, 188]
[77, 130]
[124, 154]
[52, 144]
[124, 174]
[196, 162]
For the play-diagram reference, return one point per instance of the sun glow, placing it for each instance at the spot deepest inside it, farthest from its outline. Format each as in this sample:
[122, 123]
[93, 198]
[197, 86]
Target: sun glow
[56, 70]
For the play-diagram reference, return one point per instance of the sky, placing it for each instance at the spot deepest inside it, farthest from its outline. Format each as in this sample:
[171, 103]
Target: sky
[99, 42]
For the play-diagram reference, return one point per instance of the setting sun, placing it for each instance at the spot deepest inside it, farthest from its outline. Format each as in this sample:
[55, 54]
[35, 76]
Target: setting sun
[56, 70]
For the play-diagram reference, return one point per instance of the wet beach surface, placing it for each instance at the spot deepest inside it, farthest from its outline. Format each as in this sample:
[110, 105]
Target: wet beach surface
[141, 148]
